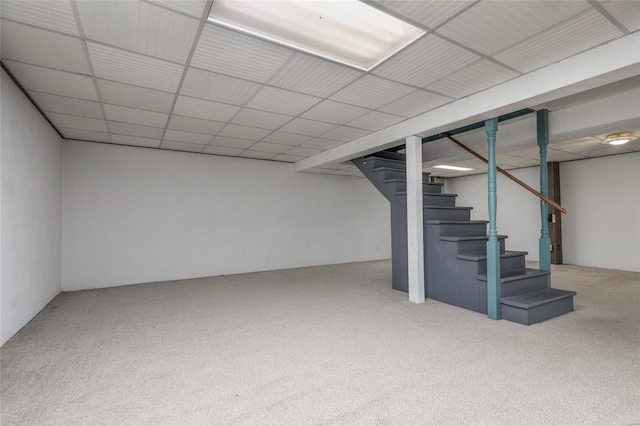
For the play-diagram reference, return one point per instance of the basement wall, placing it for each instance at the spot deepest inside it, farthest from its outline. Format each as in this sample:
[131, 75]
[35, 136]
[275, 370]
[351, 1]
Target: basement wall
[30, 210]
[135, 215]
[602, 198]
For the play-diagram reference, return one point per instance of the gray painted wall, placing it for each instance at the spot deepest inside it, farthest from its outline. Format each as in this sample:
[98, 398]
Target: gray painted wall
[30, 219]
[134, 215]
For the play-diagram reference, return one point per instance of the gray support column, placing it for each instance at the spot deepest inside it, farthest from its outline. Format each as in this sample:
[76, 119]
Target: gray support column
[415, 225]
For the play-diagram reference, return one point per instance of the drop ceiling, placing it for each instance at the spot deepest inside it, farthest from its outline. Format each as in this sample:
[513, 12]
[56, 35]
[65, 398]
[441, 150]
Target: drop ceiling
[157, 74]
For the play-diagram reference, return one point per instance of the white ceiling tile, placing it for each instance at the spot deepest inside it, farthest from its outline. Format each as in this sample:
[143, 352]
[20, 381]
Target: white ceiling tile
[425, 61]
[64, 105]
[139, 27]
[84, 135]
[428, 13]
[222, 141]
[55, 82]
[193, 8]
[288, 158]
[270, 147]
[306, 127]
[415, 103]
[134, 69]
[135, 141]
[372, 92]
[54, 15]
[474, 78]
[287, 138]
[231, 53]
[178, 136]
[135, 116]
[134, 97]
[579, 145]
[215, 87]
[220, 150]
[375, 120]
[258, 155]
[181, 146]
[313, 76]
[303, 152]
[206, 110]
[600, 151]
[135, 130]
[188, 124]
[75, 122]
[244, 132]
[345, 134]
[40, 47]
[334, 112]
[262, 119]
[569, 38]
[553, 155]
[282, 101]
[322, 144]
[627, 12]
[491, 26]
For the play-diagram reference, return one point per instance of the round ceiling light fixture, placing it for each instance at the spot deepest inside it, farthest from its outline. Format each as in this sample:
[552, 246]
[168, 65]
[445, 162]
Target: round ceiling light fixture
[619, 138]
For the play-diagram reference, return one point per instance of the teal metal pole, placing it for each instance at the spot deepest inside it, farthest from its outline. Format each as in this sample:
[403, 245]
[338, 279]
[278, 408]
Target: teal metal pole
[544, 247]
[493, 246]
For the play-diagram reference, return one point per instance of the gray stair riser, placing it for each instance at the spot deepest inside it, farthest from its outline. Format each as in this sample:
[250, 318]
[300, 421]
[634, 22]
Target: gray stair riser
[446, 214]
[432, 200]
[512, 288]
[462, 229]
[537, 314]
[384, 162]
[400, 174]
[430, 188]
[477, 246]
[507, 264]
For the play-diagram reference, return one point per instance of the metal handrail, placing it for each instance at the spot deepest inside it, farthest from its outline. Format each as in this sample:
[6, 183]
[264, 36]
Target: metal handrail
[507, 174]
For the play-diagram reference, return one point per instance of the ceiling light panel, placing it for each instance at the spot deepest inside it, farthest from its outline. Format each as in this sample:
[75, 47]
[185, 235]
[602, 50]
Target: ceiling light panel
[64, 105]
[135, 130]
[188, 124]
[40, 47]
[313, 76]
[334, 112]
[282, 101]
[571, 37]
[181, 146]
[189, 137]
[206, 110]
[134, 97]
[134, 69]
[428, 13]
[425, 61]
[75, 122]
[135, 116]
[226, 142]
[307, 127]
[626, 12]
[84, 135]
[347, 31]
[345, 134]
[228, 52]
[139, 27]
[55, 15]
[55, 82]
[135, 141]
[216, 87]
[415, 103]
[491, 26]
[375, 120]
[219, 150]
[474, 78]
[262, 119]
[287, 138]
[244, 132]
[371, 92]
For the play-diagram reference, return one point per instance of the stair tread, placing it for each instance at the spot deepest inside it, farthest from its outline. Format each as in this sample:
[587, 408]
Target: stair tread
[481, 237]
[392, 180]
[429, 193]
[516, 275]
[448, 207]
[536, 298]
[453, 222]
[483, 256]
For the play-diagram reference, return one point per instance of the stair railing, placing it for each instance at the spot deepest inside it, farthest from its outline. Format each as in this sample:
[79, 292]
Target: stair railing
[507, 174]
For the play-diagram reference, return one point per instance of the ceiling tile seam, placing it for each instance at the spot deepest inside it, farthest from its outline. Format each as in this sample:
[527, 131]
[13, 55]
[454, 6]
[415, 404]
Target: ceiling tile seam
[401, 83]
[455, 15]
[48, 68]
[194, 45]
[162, 6]
[604, 12]
[85, 49]
[41, 28]
[26, 94]
[379, 109]
[132, 52]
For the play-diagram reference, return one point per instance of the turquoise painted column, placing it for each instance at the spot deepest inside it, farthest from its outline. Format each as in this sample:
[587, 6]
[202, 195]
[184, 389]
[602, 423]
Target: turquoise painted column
[544, 246]
[493, 245]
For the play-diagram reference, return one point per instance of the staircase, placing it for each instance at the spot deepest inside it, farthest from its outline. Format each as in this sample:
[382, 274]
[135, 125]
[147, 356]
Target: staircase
[455, 260]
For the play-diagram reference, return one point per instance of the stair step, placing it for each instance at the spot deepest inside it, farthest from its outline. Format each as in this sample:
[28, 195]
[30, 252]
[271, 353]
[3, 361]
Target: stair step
[429, 187]
[446, 213]
[475, 244]
[530, 308]
[431, 194]
[480, 237]
[432, 199]
[387, 155]
[517, 276]
[510, 261]
[477, 257]
[459, 228]
[386, 162]
[394, 173]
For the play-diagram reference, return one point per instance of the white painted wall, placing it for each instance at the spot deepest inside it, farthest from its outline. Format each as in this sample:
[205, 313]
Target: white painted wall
[135, 215]
[518, 210]
[602, 197]
[30, 213]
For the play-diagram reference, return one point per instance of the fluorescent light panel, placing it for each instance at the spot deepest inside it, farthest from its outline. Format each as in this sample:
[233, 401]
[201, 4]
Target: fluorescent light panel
[346, 31]
[456, 168]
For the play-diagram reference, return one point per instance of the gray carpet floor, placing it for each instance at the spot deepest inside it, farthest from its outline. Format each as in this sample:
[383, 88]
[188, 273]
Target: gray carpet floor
[322, 345]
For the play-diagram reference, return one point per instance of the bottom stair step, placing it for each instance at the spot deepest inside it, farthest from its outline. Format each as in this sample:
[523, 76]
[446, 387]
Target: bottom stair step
[530, 308]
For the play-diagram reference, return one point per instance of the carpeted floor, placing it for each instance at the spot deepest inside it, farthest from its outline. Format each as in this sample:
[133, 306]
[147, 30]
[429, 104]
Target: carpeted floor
[322, 345]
